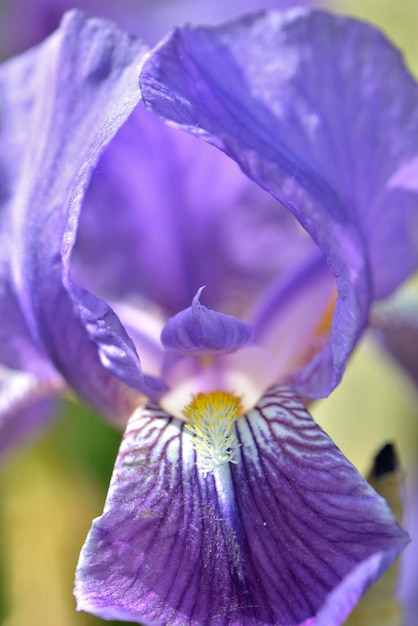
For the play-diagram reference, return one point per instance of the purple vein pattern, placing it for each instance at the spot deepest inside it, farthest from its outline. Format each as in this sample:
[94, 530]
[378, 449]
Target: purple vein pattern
[261, 542]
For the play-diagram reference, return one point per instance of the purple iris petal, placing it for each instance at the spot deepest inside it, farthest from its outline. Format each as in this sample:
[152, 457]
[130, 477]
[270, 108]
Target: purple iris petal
[17, 349]
[145, 18]
[294, 324]
[200, 331]
[184, 215]
[26, 406]
[61, 104]
[290, 535]
[321, 112]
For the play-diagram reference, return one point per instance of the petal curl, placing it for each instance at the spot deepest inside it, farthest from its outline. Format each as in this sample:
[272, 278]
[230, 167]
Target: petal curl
[26, 406]
[320, 111]
[199, 331]
[61, 104]
[290, 535]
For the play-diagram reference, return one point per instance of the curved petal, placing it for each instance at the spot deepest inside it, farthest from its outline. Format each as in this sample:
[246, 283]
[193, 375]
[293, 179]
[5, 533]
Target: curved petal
[289, 535]
[184, 216]
[321, 112]
[294, 324]
[17, 348]
[26, 406]
[201, 331]
[144, 326]
[64, 101]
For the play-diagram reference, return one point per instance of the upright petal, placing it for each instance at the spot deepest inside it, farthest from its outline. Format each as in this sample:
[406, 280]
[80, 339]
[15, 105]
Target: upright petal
[61, 104]
[17, 348]
[145, 18]
[294, 324]
[321, 112]
[183, 214]
[290, 535]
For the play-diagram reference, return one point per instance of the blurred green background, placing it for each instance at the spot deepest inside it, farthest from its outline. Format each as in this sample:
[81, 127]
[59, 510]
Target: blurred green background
[51, 490]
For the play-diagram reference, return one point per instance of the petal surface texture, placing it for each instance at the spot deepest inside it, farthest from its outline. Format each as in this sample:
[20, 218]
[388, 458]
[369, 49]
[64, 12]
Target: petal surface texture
[291, 534]
[61, 104]
[321, 112]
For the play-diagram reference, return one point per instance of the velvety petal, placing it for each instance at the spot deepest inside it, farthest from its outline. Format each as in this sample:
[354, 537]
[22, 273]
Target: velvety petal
[65, 100]
[291, 534]
[201, 331]
[26, 406]
[321, 112]
[183, 214]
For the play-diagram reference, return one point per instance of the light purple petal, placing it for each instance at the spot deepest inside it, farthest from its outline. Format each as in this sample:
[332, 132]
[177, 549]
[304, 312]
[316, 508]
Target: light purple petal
[294, 324]
[64, 101]
[321, 112]
[201, 331]
[145, 18]
[185, 216]
[26, 407]
[17, 348]
[290, 535]
[144, 326]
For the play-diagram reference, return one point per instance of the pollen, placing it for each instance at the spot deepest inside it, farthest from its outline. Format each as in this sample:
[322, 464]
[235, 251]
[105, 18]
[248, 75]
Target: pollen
[211, 418]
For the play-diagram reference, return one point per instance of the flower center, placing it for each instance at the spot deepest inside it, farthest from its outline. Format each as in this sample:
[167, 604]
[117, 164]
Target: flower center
[211, 417]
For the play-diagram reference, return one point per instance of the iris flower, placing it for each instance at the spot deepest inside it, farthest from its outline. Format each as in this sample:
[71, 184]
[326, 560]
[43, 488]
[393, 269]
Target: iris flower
[243, 290]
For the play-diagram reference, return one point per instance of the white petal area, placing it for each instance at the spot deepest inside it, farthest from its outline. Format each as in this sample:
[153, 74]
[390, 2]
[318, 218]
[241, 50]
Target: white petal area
[143, 324]
[246, 373]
